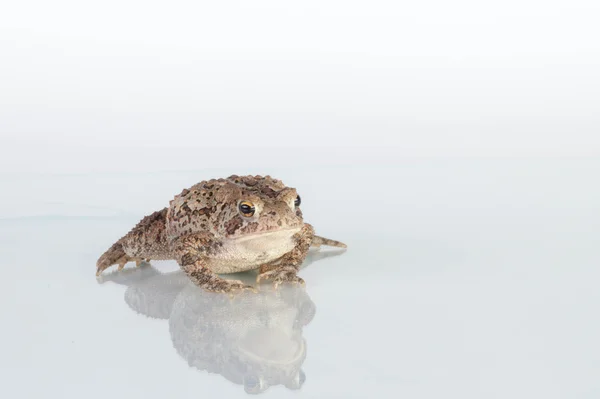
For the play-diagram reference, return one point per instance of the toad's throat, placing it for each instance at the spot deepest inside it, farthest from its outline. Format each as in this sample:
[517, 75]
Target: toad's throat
[250, 251]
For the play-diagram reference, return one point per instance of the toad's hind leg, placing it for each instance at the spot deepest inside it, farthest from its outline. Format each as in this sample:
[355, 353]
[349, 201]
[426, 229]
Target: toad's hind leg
[317, 242]
[147, 240]
[116, 256]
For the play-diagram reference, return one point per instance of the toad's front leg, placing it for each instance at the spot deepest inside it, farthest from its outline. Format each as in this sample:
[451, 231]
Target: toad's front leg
[192, 253]
[285, 269]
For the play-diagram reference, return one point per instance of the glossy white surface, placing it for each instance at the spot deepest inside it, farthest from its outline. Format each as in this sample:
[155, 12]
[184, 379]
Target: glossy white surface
[463, 278]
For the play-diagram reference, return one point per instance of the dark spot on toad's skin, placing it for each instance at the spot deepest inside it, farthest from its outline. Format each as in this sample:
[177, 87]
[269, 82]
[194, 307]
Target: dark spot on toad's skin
[232, 225]
[269, 192]
[189, 259]
[184, 192]
[206, 210]
[203, 211]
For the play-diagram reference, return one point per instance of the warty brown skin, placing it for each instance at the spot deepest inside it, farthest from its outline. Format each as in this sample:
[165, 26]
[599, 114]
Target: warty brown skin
[208, 230]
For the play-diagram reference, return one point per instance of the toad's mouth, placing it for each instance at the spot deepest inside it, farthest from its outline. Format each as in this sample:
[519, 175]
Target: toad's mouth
[270, 234]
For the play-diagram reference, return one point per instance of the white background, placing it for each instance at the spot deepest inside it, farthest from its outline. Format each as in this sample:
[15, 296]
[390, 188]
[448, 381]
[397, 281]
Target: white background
[453, 145]
[94, 86]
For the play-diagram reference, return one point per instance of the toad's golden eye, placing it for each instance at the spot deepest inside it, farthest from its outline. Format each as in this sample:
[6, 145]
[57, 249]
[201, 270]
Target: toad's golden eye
[246, 208]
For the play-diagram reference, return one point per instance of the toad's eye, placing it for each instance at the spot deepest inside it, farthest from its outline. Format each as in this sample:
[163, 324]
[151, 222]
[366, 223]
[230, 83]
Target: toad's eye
[297, 201]
[246, 208]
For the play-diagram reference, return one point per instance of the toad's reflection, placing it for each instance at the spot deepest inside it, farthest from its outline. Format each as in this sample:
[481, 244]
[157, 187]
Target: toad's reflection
[254, 339]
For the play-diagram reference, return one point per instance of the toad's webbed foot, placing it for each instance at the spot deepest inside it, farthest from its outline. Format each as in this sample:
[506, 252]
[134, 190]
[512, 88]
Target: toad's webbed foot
[281, 275]
[206, 279]
[227, 286]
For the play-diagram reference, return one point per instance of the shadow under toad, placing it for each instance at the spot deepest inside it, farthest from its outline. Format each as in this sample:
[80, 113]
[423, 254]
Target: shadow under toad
[251, 339]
